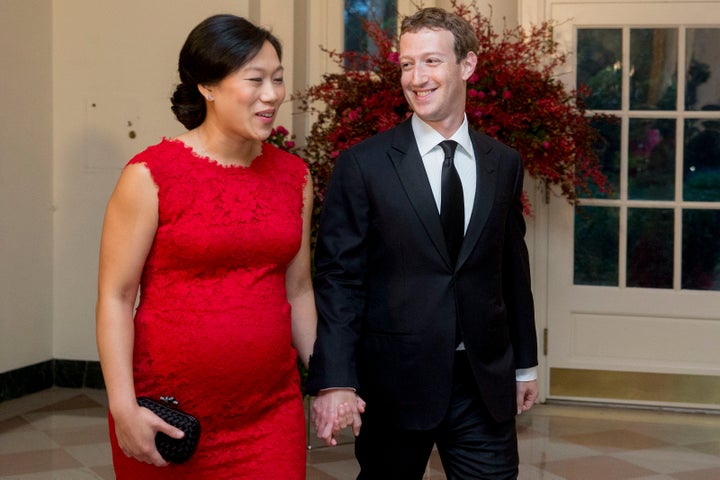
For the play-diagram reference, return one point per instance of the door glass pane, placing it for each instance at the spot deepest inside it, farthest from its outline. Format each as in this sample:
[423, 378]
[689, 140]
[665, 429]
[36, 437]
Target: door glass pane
[639, 155]
[701, 180]
[653, 68]
[702, 91]
[599, 66]
[701, 250]
[608, 151]
[651, 159]
[650, 248]
[358, 11]
[596, 245]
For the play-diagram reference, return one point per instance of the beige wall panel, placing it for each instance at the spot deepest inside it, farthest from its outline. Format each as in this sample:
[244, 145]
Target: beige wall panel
[25, 183]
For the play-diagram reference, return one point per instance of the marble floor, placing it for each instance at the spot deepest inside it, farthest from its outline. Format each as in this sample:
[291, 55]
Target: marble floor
[61, 434]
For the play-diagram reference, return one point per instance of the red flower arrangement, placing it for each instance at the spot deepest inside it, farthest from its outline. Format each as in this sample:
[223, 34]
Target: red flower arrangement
[281, 138]
[513, 96]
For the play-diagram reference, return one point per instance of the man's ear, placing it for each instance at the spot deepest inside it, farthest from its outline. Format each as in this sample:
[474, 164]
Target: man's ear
[468, 63]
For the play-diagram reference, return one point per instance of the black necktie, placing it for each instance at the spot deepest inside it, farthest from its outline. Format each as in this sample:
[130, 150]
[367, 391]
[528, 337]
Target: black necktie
[452, 208]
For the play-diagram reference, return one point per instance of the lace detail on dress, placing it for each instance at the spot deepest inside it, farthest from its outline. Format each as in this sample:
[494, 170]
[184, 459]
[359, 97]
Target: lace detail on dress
[213, 323]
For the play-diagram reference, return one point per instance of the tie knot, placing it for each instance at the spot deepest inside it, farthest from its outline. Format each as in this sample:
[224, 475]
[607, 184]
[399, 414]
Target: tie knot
[449, 147]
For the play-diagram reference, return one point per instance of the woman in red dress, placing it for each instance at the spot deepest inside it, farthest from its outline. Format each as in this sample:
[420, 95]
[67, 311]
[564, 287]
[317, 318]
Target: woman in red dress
[212, 227]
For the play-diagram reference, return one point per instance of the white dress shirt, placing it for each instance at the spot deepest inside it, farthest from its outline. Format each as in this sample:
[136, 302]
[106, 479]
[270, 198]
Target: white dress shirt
[428, 143]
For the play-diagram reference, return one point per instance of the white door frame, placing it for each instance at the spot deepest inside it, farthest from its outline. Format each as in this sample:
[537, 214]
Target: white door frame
[646, 331]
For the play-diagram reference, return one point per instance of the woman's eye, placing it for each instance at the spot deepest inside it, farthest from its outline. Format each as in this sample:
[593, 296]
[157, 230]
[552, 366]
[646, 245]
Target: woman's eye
[279, 81]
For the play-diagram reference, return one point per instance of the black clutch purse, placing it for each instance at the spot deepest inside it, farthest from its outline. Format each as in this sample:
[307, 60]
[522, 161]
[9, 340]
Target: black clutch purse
[171, 449]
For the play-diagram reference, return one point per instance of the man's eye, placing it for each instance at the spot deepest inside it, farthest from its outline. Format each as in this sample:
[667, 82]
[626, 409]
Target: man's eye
[279, 81]
[256, 80]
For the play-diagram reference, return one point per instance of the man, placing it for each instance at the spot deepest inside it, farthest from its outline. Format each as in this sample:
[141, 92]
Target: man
[430, 328]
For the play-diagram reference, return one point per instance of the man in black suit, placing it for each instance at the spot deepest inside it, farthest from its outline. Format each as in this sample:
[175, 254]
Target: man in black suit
[423, 281]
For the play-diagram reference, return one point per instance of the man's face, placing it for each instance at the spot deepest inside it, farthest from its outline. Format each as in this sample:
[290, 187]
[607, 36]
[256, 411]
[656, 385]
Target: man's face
[432, 80]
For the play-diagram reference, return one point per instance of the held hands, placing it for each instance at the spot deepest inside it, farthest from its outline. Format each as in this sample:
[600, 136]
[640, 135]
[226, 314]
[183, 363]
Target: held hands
[334, 410]
[135, 430]
[527, 393]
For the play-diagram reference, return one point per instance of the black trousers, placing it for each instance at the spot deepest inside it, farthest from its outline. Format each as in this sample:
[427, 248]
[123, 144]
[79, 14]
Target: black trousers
[471, 444]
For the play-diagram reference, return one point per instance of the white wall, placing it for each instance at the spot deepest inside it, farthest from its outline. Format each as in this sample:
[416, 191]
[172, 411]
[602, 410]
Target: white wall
[25, 182]
[115, 67]
[78, 77]
[502, 13]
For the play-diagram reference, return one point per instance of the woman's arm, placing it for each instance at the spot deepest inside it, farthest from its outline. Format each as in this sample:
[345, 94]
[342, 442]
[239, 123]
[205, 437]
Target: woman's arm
[129, 229]
[299, 286]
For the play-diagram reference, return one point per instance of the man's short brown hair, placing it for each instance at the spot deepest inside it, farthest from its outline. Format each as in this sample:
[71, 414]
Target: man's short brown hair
[438, 19]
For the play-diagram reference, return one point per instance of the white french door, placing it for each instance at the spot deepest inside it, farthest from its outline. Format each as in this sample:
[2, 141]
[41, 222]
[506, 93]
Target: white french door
[632, 276]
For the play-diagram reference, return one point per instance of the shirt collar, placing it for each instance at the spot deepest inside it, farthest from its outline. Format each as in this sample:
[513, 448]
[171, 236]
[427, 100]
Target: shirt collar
[427, 137]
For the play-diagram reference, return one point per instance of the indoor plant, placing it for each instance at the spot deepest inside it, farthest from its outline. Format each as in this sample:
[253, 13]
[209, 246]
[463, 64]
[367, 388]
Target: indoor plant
[514, 96]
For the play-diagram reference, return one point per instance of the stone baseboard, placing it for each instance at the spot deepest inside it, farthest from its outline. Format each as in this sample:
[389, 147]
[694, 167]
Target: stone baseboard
[51, 373]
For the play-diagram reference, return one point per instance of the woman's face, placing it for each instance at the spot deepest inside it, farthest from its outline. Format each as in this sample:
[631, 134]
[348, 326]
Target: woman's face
[246, 102]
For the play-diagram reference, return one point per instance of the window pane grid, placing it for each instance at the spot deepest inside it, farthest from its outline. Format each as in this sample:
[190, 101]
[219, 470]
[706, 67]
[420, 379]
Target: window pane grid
[658, 185]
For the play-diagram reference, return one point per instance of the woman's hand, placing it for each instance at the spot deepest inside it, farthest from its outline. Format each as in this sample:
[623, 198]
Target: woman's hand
[135, 430]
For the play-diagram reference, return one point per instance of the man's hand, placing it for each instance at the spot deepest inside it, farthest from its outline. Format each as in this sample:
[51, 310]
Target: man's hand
[527, 393]
[335, 409]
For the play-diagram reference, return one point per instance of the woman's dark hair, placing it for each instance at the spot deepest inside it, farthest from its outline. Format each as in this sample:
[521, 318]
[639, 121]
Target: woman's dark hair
[214, 49]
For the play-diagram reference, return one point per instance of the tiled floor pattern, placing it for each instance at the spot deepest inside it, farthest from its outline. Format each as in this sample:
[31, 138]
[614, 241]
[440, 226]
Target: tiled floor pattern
[61, 434]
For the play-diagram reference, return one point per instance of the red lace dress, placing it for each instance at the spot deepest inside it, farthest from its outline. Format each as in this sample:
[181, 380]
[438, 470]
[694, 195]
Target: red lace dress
[213, 325]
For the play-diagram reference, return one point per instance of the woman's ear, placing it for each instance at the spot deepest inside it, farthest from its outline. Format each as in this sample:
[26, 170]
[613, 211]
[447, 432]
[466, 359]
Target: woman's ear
[206, 92]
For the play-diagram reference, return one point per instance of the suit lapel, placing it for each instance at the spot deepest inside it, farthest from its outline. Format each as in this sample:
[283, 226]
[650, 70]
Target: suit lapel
[408, 163]
[486, 164]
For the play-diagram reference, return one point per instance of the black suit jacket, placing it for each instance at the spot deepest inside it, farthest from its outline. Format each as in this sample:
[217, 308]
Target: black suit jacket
[387, 295]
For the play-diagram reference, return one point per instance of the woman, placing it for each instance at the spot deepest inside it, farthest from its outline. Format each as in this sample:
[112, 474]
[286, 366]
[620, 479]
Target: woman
[213, 228]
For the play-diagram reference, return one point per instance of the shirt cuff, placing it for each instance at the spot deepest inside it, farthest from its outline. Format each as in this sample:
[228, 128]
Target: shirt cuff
[526, 374]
